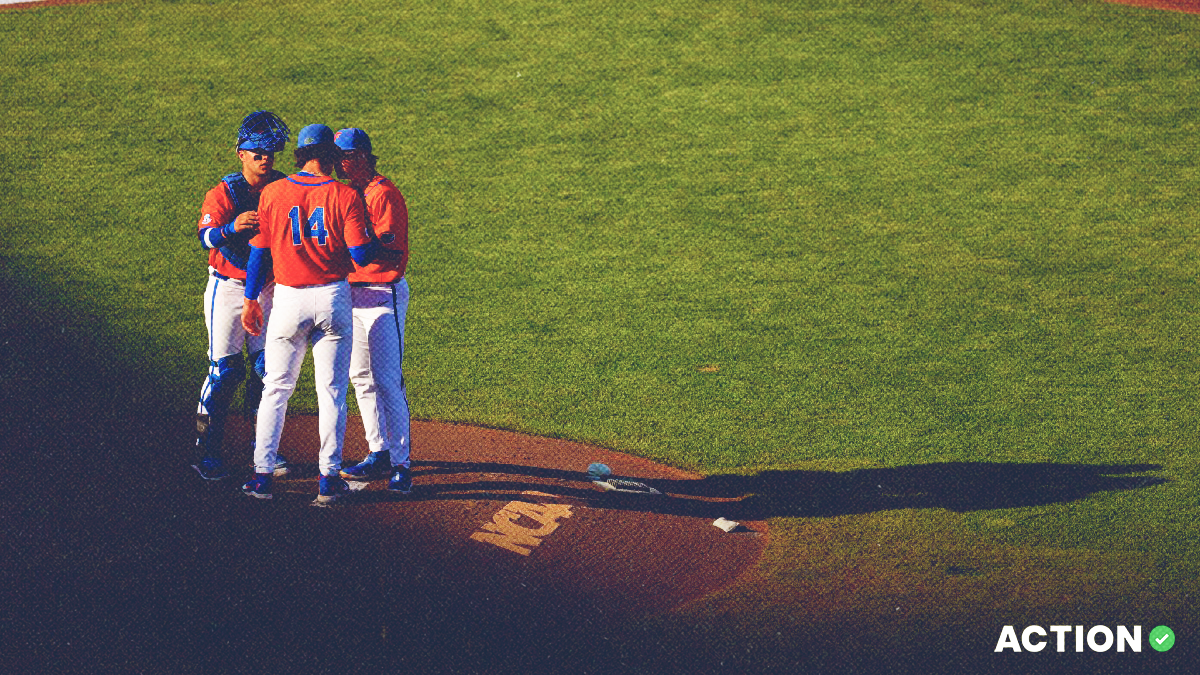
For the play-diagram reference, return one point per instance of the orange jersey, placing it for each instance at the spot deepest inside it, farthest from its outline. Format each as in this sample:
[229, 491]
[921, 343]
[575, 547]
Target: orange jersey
[387, 214]
[310, 223]
[218, 211]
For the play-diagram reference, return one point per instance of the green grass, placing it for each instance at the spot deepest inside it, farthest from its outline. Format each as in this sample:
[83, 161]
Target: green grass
[734, 237]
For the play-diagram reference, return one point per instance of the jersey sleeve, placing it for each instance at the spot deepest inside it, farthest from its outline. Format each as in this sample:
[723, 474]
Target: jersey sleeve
[389, 219]
[258, 271]
[215, 215]
[387, 215]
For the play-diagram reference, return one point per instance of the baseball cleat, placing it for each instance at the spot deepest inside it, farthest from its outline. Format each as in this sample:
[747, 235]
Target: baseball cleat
[376, 465]
[259, 486]
[211, 468]
[401, 480]
[332, 489]
[282, 466]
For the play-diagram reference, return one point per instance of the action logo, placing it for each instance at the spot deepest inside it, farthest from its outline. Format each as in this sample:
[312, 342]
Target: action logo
[1096, 639]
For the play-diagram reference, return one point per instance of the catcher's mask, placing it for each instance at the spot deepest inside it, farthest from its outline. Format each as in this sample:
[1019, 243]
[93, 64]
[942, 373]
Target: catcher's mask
[262, 130]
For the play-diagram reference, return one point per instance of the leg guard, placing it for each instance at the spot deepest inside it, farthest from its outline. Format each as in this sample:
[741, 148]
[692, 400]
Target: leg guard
[252, 395]
[223, 378]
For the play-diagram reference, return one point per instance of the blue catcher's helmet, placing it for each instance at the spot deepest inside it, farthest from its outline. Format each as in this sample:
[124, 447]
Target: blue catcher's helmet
[262, 130]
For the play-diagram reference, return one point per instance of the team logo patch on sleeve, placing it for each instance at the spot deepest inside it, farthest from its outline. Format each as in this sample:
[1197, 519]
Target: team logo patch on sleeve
[207, 219]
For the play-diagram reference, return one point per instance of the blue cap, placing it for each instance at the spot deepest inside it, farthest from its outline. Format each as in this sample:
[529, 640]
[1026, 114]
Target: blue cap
[314, 134]
[353, 139]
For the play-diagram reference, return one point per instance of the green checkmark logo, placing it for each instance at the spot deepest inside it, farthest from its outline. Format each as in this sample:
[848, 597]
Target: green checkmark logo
[1162, 638]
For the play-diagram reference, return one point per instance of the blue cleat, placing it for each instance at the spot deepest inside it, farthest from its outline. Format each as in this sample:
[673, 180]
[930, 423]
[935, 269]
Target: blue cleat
[282, 467]
[376, 465]
[332, 489]
[259, 486]
[401, 480]
[211, 468]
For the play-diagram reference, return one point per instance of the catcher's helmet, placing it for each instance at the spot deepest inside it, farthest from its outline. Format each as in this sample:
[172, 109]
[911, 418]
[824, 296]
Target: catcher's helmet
[262, 130]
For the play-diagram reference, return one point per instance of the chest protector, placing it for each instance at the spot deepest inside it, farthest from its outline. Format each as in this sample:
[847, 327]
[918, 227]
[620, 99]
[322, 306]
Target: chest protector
[237, 249]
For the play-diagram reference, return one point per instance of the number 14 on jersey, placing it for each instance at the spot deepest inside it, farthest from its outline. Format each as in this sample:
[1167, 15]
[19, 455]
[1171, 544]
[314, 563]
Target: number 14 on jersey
[312, 227]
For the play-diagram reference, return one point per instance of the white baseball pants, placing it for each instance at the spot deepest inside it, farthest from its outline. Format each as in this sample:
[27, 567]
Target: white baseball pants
[377, 367]
[223, 318]
[320, 316]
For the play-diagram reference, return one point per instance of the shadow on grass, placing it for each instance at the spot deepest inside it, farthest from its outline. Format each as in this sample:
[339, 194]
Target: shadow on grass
[116, 559]
[958, 486]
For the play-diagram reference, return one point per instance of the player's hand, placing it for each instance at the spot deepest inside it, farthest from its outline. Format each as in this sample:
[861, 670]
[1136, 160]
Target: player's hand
[246, 221]
[252, 317]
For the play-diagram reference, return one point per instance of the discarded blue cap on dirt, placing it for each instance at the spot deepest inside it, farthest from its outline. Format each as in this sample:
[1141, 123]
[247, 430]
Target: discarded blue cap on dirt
[598, 471]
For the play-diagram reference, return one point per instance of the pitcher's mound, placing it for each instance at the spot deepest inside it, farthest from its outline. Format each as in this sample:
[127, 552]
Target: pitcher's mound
[517, 522]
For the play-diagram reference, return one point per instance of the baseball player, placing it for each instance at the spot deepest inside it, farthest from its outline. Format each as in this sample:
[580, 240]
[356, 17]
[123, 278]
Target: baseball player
[229, 217]
[379, 293]
[311, 231]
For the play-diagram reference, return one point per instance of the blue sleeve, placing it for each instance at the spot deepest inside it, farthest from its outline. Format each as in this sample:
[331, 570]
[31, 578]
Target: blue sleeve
[216, 237]
[256, 271]
[363, 255]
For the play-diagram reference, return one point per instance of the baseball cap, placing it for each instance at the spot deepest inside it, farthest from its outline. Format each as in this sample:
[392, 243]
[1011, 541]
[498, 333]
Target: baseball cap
[353, 139]
[314, 134]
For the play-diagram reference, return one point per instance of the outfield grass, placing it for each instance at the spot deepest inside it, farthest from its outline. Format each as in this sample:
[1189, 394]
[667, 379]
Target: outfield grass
[734, 237]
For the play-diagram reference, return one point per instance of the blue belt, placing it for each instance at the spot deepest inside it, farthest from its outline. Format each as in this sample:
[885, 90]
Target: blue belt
[220, 276]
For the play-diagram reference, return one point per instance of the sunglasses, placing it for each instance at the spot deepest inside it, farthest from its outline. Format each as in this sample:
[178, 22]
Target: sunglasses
[260, 155]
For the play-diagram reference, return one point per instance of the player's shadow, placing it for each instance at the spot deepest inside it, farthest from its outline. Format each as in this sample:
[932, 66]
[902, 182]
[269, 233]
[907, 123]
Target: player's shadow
[956, 486]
